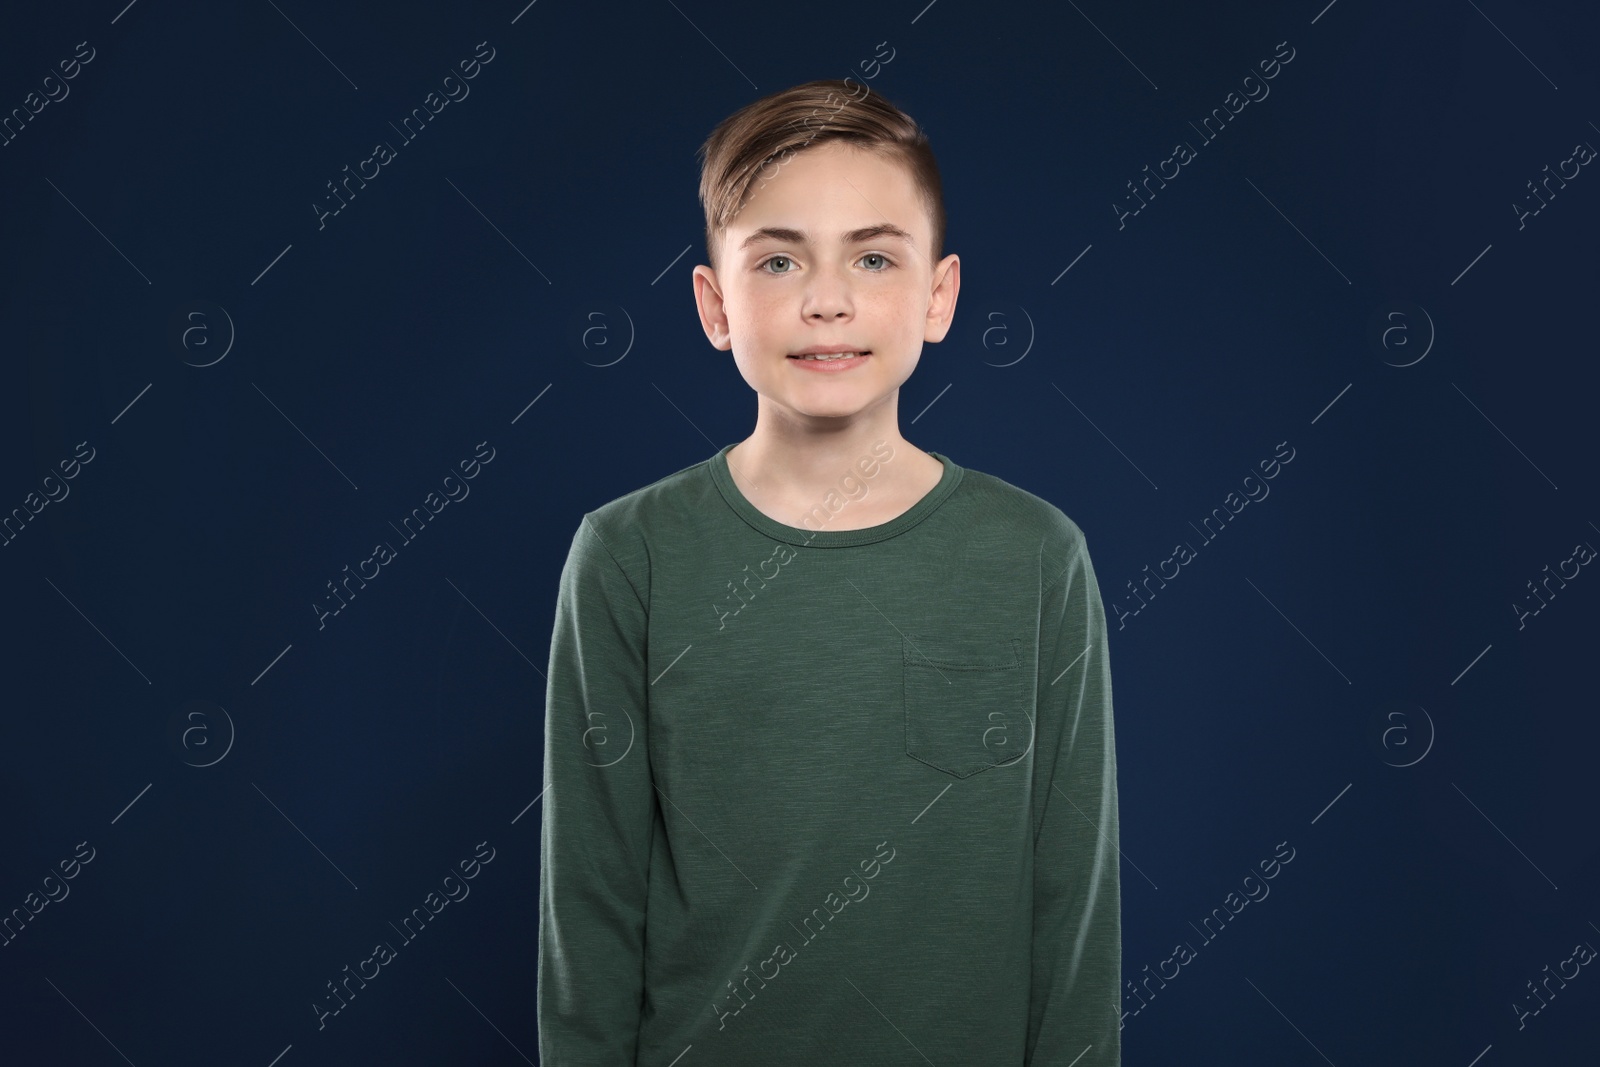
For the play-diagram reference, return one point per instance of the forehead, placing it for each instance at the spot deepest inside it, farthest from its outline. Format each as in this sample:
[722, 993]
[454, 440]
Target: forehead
[828, 191]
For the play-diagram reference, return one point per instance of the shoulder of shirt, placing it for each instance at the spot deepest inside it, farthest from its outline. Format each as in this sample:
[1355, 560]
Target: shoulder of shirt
[624, 524]
[1034, 522]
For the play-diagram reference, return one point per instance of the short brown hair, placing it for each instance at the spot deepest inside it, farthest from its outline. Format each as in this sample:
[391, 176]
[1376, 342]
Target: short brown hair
[750, 140]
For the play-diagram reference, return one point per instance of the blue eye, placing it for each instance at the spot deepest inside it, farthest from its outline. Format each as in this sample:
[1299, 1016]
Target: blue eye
[887, 263]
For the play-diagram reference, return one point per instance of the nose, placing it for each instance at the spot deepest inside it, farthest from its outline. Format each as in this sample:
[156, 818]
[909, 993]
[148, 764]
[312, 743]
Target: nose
[828, 296]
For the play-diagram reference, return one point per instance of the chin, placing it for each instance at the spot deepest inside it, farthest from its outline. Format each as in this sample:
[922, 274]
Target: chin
[835, 412]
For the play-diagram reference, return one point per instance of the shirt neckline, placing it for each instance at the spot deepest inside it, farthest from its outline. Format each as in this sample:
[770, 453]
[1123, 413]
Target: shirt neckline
[824, 537]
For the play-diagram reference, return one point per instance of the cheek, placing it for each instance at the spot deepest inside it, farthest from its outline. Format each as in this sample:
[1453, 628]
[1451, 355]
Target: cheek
[750, 331]
[761, 317]
[766, 299]
[902, 305]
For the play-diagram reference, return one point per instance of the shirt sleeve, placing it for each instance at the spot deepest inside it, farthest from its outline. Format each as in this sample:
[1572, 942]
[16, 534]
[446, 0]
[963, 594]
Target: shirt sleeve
[1074, 1015]
[599, 815]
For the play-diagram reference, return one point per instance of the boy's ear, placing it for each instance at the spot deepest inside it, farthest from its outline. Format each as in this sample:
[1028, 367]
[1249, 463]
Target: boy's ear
[942, 301]
[713, 312]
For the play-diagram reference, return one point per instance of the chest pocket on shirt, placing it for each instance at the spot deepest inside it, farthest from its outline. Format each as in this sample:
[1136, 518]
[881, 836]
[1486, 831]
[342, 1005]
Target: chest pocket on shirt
[967, 702]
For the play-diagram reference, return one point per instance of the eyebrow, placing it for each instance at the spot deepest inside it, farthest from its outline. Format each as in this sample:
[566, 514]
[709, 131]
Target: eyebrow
[851, 237]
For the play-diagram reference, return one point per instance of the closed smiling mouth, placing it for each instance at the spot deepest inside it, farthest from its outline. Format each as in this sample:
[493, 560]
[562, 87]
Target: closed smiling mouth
[832, 355]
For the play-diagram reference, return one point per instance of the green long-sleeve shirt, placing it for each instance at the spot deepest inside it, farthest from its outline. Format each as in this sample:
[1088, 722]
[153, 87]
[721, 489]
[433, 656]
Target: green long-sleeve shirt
[817, 796]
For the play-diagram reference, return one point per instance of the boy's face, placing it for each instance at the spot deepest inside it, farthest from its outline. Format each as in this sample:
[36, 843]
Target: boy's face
[830, 276]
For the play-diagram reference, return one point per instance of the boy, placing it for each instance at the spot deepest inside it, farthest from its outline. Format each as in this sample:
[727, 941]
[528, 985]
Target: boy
[829, 761]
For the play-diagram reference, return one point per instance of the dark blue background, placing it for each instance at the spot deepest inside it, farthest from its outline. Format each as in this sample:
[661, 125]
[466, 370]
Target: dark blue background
[547, 223]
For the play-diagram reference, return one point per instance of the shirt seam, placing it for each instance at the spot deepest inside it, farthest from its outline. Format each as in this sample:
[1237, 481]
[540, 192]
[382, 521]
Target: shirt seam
[1063, 573]
[781, 531]
[612, 556]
